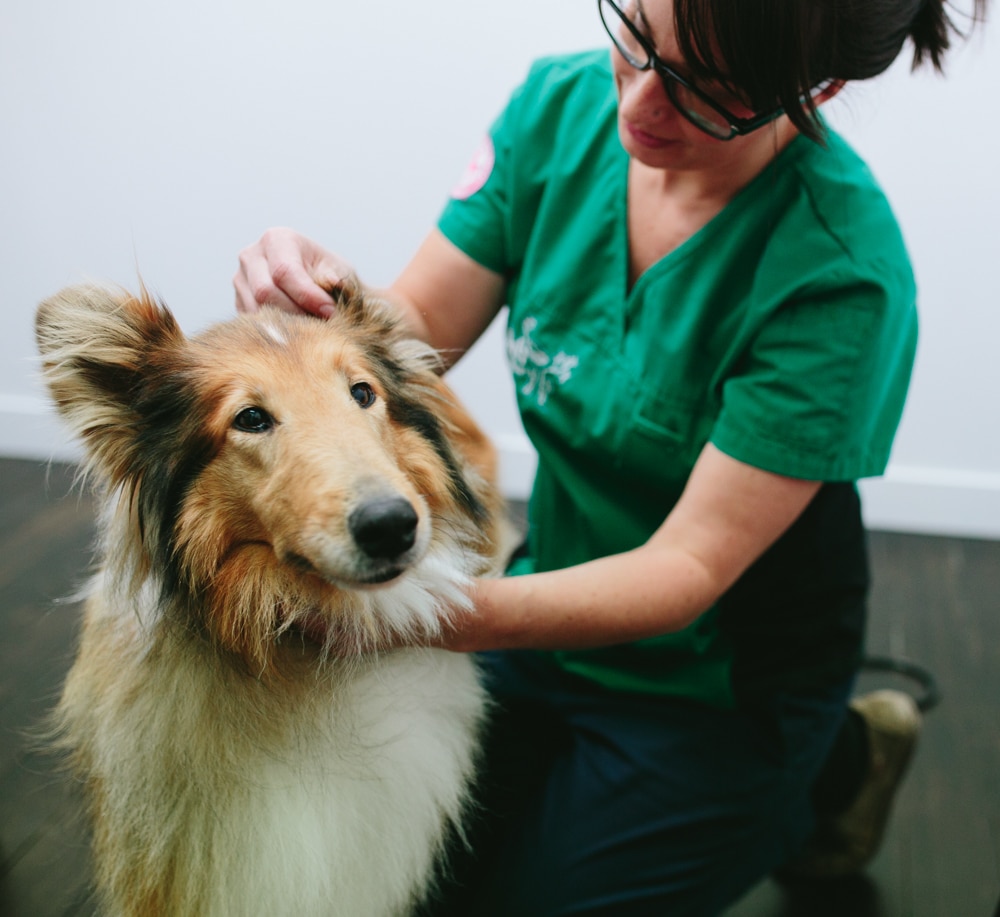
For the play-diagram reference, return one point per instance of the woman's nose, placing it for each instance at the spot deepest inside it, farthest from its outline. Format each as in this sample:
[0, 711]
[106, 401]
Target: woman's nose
[645, 95]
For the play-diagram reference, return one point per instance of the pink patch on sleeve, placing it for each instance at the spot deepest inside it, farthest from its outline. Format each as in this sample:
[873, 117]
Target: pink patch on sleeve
[476, 172]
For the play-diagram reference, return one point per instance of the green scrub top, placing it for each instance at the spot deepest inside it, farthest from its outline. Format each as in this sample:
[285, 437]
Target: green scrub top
[783, 332]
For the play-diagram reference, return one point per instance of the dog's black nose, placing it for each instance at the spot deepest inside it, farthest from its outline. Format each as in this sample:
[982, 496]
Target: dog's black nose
[385, 527]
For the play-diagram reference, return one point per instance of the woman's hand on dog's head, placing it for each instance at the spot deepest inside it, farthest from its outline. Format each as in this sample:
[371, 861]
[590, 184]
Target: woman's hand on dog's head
[288, 271]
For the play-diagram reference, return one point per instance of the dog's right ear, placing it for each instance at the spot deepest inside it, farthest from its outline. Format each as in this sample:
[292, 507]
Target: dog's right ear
[100, 348]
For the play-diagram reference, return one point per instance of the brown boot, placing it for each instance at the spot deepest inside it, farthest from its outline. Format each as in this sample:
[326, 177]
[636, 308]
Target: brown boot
[846, 843]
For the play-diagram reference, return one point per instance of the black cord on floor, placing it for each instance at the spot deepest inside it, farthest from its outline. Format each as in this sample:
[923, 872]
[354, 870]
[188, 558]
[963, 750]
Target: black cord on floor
[928, 696]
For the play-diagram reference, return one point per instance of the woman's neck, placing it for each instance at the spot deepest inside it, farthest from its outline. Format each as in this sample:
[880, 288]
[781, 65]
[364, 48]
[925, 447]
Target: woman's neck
[720, 180]
[666, 207]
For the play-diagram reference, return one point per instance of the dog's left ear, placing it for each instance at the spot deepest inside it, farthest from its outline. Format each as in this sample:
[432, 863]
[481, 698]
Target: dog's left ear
[102, 350]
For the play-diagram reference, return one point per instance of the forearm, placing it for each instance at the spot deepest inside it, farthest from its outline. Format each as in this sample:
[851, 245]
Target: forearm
[446, 299]
[617, 599]
[729, 514]
[414, 319]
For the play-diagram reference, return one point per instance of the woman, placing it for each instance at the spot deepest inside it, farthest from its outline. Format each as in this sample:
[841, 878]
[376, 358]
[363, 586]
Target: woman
[711, 328]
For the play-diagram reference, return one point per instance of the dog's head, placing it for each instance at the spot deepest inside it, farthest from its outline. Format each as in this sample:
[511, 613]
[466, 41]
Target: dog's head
[275, 470]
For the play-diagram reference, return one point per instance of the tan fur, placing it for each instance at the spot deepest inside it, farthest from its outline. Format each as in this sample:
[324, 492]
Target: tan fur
[235, 746]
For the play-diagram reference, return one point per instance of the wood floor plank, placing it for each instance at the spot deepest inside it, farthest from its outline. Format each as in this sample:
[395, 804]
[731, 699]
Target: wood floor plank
[45, 542]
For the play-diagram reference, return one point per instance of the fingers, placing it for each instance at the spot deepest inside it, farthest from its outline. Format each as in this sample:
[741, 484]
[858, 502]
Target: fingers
[250, 296]
[287, 271]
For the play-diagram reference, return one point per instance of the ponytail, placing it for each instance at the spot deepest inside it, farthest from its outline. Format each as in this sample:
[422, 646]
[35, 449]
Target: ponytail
[931, 31]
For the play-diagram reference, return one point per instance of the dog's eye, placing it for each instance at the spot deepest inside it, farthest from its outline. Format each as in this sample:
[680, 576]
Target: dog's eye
[253, 420]
[363, 394]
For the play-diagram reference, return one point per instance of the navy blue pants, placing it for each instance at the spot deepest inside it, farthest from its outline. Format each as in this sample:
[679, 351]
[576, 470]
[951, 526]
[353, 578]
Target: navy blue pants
[598, 803]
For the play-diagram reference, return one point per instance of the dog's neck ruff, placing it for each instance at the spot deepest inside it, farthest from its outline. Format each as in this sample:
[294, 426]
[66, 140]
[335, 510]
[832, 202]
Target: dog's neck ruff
[414, 608]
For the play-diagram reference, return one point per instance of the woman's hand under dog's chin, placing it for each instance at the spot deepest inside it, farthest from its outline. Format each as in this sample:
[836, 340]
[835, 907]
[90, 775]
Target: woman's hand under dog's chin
[458, 632]
[471, 630]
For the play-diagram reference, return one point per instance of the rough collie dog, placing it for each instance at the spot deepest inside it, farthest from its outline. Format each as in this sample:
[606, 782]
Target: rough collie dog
[287, 499]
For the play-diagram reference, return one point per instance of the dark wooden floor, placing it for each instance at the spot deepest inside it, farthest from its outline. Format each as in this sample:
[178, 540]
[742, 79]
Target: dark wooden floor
[937, 601]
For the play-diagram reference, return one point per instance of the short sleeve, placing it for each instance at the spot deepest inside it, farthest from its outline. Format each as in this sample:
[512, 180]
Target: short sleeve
[493, 209]
[822, 386]
[476, 217]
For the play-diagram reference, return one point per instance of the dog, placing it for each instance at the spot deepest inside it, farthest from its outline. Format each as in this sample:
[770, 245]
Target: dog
[290, 504]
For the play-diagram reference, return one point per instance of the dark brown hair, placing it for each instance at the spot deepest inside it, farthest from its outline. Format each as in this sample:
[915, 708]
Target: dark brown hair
[773, 52]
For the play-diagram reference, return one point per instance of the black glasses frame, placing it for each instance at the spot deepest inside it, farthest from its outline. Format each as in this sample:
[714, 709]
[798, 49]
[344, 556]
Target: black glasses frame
[671, 79]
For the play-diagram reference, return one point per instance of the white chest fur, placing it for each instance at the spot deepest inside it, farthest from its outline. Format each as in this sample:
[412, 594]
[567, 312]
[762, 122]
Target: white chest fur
[246, 800]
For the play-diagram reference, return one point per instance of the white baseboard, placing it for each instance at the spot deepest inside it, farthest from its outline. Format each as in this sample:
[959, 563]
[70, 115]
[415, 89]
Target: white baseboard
[907, 499]
[517, 465]
[933, 501]
[30, 429]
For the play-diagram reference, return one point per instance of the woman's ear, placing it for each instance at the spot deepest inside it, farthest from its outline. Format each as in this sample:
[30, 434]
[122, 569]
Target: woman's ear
[828, 91]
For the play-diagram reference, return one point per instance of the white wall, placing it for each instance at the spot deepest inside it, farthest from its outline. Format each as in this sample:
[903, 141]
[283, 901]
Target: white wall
[162, 138]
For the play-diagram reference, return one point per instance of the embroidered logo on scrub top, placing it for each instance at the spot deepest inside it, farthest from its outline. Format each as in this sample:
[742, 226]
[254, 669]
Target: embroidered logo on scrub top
[476, 172]
[529, 362]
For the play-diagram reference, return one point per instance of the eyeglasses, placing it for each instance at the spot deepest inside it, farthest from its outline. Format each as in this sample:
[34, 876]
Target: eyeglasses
[699, 108]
